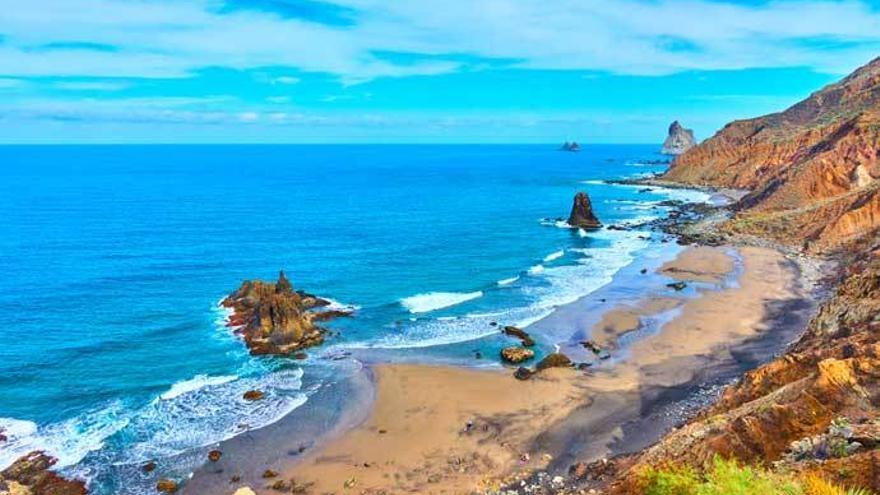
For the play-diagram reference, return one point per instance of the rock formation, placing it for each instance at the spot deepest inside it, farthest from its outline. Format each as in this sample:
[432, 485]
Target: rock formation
[570, 146]
[31, 475]
[516, 355]
[582, 213]
[679, 140]
[812, 169]
[273, 318]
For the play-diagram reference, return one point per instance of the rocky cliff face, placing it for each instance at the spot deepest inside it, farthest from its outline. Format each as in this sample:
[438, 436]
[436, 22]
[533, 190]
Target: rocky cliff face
[806, 410]
[679, 140]
[812, 169]
[273, 318]
[582, 213]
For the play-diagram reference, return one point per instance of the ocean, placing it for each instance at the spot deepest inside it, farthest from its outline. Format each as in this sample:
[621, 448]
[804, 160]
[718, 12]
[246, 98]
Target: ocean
[114, 259]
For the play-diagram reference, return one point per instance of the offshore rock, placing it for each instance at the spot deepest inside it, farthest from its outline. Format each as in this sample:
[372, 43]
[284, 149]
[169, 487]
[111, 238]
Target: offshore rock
[273, 318]
[582, 213]
[519, 333]
[679, 140]
[30, 475]
[516, 355]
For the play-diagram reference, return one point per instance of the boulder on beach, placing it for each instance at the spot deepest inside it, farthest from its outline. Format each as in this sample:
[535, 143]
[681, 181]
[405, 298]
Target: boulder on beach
[582, 213]
[166, 486]
[252, 395]
[523, 373]
[516, 355]
[273, 318]
[555, 360]
[679, 140]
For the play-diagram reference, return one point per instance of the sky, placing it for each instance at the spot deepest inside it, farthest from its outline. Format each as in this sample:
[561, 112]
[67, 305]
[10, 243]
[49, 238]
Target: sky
[413, 71]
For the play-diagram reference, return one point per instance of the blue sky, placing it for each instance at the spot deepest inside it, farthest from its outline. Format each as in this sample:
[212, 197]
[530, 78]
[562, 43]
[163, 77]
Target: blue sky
[85, 71]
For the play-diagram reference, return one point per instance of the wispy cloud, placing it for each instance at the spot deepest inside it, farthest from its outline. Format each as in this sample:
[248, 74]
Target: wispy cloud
[175, 39]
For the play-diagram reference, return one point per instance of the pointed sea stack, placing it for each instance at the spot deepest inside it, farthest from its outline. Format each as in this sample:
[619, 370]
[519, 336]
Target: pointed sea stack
[273, 318]
[679, 140]
[582, 213]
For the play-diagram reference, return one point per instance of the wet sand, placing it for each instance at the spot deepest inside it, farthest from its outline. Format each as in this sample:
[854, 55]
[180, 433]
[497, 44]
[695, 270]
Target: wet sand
[455, 430]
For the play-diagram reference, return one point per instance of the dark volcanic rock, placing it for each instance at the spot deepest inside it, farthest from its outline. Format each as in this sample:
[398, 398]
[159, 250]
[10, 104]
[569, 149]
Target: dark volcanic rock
[30, 474]
[582, 213]
[679, 140]
[520, 334]
[555, 360]
[523, 373]
[276, 319]
[252, 395]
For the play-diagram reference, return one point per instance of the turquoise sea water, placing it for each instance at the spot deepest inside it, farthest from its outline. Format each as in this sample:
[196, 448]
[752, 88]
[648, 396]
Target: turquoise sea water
[114, 259]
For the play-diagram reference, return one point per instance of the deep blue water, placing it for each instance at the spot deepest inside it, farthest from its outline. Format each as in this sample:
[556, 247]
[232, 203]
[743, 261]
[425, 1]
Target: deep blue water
[114, 259]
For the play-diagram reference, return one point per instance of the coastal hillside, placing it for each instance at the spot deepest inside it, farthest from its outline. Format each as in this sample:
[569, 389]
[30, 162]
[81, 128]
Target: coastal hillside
[812, 413]
[812, 169]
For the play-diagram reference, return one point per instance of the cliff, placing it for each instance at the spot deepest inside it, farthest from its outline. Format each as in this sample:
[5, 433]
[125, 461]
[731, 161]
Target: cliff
[679, 140]
[814, 410]
[273, 318]
[31, 475]
[811, 169]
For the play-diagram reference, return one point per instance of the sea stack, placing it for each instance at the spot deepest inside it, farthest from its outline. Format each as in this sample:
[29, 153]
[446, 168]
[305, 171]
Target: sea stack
[273, 318]
[582, 213]
[679, 140]
[570, 146]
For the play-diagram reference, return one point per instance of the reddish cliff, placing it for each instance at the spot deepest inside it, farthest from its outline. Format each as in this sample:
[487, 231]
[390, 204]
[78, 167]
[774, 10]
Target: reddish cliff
[811, 169]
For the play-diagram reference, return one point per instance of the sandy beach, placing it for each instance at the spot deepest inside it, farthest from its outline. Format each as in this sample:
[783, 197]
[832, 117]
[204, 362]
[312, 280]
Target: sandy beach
[455, 430]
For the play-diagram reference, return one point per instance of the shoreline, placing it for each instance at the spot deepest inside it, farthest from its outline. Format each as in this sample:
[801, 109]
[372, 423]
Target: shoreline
[609, 399]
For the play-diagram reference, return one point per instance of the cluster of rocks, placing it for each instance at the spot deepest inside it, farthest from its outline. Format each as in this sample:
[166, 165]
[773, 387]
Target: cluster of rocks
[842, 439]
[31, 475]
[273, 318]
[570, 146]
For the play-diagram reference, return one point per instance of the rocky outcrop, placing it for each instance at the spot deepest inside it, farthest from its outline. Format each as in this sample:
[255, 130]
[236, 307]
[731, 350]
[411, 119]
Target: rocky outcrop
[582, 213]
[679, 140]
[812, 168]
[570, 146]
[516, 355]
[273, 318]
[31, 475]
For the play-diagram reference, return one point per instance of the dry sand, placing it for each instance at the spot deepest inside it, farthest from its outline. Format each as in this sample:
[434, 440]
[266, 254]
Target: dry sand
[448, 430]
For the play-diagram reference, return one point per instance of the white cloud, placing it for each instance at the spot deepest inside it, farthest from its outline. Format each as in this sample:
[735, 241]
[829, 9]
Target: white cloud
[175, 39]
[91, 85]
[288, 80]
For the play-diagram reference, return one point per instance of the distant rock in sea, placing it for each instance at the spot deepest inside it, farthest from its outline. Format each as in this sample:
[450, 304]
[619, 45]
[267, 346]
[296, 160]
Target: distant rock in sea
[582, 213]
[276, 319]
[679, 140]
[570, 146]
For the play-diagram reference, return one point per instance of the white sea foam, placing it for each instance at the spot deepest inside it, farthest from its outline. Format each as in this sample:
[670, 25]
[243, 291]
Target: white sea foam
[508, 281]
[537, 269]
[339, 306]
[432, 301]
[195, 383]
[69, 441]
[554, 256]
[582, 233]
